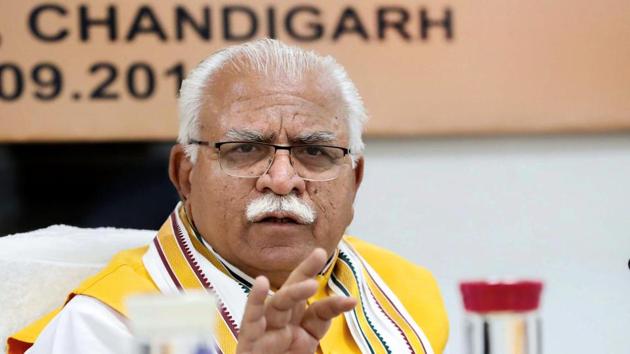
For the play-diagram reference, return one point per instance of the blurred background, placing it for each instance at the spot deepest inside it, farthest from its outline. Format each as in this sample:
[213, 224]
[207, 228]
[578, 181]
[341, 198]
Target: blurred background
[498, 145]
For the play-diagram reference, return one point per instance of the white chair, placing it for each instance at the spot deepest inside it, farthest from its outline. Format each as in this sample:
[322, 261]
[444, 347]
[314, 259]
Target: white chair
[39, 268]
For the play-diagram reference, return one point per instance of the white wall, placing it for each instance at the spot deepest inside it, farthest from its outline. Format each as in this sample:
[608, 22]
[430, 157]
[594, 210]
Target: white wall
[549, 207]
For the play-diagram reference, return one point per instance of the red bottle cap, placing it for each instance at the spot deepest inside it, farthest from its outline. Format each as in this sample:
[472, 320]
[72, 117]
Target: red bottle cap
[517, 296]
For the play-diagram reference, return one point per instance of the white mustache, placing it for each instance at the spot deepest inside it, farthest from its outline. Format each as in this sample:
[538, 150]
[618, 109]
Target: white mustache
[270, 203]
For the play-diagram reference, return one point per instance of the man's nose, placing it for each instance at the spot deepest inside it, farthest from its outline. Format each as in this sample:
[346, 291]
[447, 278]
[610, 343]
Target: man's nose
[281, 178]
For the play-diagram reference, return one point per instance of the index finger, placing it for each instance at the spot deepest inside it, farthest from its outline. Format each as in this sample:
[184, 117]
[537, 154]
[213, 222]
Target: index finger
[309, 268]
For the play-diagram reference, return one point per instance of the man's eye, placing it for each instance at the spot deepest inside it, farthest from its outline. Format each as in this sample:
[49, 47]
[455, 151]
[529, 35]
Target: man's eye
[314, 151]
[245, 148]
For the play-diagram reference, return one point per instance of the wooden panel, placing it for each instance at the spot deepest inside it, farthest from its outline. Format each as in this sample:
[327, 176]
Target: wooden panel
[479, 67]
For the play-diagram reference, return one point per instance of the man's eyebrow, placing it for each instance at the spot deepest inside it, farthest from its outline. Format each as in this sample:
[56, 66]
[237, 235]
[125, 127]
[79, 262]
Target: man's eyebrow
[248, 135]
[315, 137]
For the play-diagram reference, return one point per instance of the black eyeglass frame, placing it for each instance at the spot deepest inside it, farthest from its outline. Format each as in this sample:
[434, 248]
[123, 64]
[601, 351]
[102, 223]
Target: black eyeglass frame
[217, 145]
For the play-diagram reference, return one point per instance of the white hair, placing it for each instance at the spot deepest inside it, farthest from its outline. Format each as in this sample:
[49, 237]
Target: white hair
[269, 57]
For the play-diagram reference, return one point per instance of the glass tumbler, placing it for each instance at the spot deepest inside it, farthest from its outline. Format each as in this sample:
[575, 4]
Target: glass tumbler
[502, 317]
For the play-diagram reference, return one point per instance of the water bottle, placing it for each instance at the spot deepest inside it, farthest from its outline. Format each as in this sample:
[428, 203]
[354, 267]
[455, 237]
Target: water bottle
[172, 324]
[502, 317]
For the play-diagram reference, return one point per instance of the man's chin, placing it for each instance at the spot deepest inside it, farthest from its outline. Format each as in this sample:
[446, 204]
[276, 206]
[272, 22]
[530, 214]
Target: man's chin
[283, 257]
[277, 249]
[273, 259]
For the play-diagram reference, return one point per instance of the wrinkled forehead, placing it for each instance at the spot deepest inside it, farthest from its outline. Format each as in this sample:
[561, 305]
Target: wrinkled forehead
[272, 105]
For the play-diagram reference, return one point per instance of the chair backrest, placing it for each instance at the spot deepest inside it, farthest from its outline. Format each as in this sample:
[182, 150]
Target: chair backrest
[39, 268]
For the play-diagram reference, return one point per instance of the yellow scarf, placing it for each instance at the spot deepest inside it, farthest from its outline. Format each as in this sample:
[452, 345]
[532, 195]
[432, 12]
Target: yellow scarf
[178, 260]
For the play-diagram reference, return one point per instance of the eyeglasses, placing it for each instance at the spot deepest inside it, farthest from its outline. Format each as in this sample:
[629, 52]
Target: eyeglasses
[253, 159]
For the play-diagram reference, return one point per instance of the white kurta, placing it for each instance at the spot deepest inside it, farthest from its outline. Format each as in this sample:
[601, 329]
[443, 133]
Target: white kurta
[84, 325]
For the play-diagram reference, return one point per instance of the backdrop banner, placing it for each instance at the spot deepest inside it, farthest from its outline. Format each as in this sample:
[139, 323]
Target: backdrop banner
[109, 70]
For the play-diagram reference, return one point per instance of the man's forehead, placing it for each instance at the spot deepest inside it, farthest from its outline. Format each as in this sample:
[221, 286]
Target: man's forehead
[231, 84]
[255, 103]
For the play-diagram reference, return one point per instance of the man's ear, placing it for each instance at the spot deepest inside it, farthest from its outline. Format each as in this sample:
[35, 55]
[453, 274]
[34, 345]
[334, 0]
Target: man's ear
[179, 168]
[358, 172]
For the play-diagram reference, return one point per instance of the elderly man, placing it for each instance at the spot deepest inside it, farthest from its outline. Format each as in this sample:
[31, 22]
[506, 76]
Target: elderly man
[268, 165]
